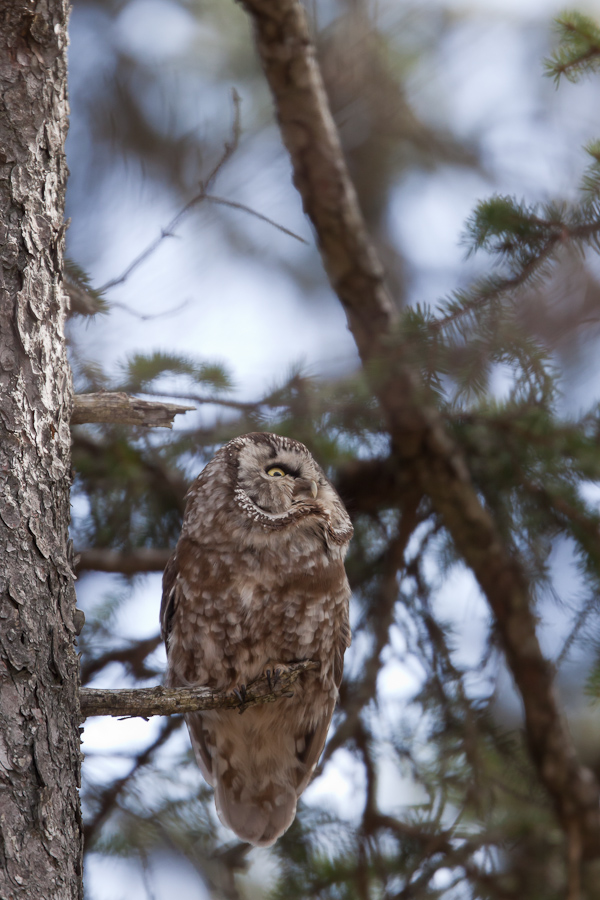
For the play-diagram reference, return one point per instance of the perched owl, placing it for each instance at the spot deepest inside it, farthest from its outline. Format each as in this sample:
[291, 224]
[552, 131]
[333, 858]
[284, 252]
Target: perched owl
[256, 582]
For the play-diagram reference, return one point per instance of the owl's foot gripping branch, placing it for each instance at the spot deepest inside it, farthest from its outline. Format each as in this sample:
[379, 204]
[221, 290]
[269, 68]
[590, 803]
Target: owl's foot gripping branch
[160, 701]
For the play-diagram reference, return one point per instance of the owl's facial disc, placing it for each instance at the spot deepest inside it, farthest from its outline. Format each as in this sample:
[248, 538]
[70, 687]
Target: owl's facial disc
[274, 477]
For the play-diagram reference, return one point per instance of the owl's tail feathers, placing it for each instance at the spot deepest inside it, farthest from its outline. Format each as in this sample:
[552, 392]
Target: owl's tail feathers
[255, 794]
[259, 817]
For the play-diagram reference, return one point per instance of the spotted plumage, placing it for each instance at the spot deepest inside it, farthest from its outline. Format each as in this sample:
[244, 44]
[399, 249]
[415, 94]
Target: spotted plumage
[257, 579]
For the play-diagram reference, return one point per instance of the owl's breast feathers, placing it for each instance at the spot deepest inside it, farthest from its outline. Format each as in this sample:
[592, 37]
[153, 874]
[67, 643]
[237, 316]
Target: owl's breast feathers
[228, 612]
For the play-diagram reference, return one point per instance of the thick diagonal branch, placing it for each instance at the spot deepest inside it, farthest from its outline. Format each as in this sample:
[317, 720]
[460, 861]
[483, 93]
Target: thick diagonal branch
[419, 437]
[160, 701]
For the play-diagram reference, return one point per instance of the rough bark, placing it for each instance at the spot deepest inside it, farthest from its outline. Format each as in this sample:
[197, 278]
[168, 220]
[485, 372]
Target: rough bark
[40, 824]
[118, 408]
[421, 444]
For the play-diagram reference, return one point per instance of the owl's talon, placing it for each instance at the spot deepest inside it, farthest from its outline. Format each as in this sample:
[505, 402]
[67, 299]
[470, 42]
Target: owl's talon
[273, 674]
[240, 694]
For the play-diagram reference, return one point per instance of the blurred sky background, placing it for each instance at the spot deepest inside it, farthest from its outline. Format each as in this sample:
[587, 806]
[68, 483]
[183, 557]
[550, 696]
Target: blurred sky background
[230, 288]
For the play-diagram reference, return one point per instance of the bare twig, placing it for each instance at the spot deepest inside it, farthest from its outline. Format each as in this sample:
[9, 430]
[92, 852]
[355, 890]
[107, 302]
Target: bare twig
[117, 408]
[233, 204]
[160, 701]
[148, 317]
[228, 151]
[243, 406]
[230, 146]
[419, 438]
[202, 195]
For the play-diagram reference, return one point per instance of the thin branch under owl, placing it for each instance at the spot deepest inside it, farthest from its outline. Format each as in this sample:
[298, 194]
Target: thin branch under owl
[160, 701]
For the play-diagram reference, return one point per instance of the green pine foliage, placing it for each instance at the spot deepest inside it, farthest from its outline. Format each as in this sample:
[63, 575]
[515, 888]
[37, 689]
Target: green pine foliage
[85, 299]
[579, 50]
[142, 371]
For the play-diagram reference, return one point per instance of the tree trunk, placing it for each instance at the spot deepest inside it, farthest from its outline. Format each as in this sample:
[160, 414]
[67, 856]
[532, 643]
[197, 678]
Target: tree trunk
[40, 828]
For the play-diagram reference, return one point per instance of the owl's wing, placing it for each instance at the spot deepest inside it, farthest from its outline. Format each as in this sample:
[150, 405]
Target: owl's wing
[168, 602]
[344, 641]
[198, 737]
[314, 741]
[193, 720]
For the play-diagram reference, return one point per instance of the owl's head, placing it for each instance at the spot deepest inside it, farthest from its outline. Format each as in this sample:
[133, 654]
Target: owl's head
[276, 471]
[278, 481]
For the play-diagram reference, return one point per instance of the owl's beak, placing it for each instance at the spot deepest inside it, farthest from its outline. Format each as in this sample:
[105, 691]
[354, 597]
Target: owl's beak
[305, 486]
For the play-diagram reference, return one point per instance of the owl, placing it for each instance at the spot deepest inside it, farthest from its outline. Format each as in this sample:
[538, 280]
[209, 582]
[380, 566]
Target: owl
[257, 582]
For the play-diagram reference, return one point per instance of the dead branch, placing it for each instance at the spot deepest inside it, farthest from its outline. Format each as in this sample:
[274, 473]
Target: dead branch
[160, 701]
[117, 408]
[418, 434]
[130, 562]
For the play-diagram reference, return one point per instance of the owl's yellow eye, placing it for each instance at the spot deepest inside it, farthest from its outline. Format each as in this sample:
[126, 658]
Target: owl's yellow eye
[275, 472]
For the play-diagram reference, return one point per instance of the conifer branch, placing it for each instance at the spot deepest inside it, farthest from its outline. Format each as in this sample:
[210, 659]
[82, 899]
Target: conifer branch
[579, 51]
[545, 238]
[161, 701]
[158, 475]
[419, 438]
[391, 564]
[493, 289]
